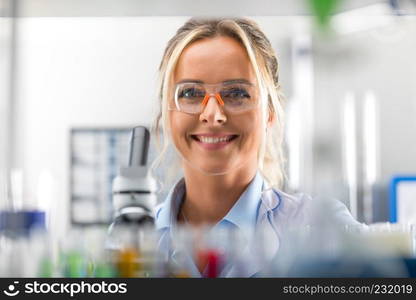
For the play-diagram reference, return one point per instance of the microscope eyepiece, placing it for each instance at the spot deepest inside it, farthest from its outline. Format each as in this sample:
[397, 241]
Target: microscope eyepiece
[139, 146]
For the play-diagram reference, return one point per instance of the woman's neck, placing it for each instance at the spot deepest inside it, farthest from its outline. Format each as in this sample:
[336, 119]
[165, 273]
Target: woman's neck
[209, 198]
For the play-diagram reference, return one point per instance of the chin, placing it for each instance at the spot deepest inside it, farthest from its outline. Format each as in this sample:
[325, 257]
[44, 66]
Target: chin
[216, 170]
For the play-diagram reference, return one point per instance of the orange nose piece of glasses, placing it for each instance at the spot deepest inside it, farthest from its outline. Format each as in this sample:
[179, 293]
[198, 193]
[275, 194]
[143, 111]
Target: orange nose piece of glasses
[217, 96]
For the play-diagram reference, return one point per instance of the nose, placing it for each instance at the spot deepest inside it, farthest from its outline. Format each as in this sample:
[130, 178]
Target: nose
[212, 112]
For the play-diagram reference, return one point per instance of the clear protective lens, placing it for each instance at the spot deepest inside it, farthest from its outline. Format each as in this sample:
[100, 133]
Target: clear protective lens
[189, 97]
[237, 98]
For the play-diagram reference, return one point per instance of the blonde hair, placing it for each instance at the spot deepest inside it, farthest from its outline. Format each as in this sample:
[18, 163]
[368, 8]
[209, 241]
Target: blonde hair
[265, 65]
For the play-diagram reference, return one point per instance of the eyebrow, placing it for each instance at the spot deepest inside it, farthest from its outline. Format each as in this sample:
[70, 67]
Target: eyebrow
[229, 81]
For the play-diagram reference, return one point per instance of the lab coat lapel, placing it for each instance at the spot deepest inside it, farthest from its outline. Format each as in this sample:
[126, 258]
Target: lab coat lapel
[265, 245]
[256, 257]
[266, 239]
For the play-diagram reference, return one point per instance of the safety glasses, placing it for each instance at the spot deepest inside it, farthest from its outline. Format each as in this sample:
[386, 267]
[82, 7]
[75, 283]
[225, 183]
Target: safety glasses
[235, 98]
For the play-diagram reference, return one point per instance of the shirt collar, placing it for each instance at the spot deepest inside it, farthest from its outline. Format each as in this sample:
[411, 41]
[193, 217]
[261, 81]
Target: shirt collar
[167, 213]
[243, 214]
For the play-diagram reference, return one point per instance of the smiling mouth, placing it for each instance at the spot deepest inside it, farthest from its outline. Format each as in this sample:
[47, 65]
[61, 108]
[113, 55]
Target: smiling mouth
[213, 140]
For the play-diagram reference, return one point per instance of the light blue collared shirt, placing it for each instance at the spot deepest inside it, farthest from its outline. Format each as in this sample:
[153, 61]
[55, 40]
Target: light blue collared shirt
[242, 216]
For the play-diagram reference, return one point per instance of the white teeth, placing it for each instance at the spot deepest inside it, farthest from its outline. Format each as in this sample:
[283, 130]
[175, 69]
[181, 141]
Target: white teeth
[213, 140]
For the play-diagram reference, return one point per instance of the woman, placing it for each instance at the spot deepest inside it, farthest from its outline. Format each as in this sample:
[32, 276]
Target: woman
[222, 110]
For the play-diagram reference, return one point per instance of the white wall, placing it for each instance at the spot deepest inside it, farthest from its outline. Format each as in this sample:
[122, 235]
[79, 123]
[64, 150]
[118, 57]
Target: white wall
[5, 87]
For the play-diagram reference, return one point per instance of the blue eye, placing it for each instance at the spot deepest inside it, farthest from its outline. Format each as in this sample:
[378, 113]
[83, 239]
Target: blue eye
[191, 93]
[235, 93]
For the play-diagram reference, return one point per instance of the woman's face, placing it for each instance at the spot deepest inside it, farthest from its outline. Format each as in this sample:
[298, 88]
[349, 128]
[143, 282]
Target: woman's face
[215, 141]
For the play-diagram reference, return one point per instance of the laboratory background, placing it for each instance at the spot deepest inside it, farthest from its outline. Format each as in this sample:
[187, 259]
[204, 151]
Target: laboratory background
[77, 76]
